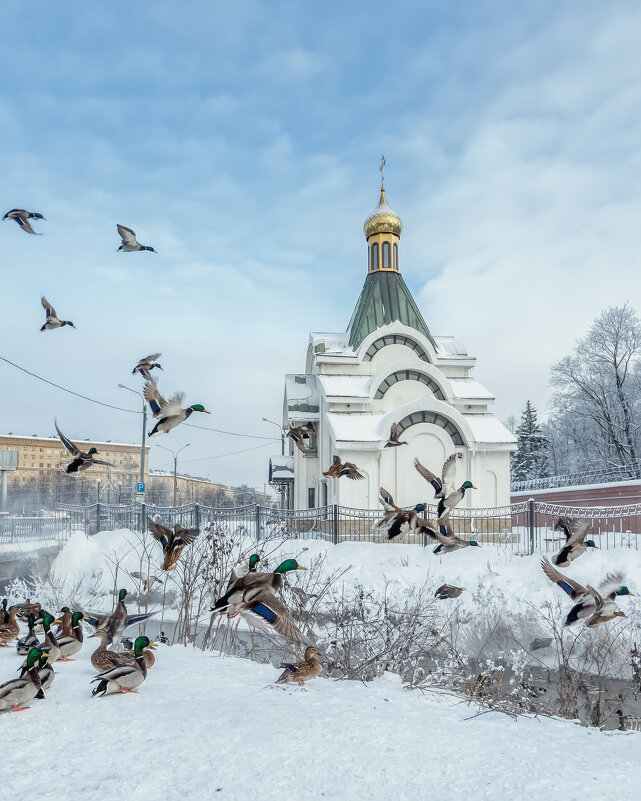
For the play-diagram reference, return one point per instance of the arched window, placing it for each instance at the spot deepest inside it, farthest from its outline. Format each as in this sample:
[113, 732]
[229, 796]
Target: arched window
[409, 375]
[395, 339]
[436, 419]
[395, 256]
[374, 257]
[386, 264]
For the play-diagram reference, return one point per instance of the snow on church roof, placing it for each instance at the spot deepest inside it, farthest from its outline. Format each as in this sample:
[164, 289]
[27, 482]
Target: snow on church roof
[487, 428]
[469, 388]
[301, 393]
[358, 427]
[346, 386]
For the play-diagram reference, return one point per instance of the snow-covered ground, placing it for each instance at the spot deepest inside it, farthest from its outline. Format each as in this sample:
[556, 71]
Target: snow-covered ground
[205, 727]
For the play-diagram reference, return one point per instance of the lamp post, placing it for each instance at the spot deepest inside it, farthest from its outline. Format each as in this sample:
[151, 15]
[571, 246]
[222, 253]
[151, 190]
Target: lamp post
[144, 430]
[175, 455]
[282, 434]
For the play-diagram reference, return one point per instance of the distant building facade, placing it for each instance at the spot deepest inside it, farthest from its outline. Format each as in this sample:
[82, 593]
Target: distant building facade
[388, 368]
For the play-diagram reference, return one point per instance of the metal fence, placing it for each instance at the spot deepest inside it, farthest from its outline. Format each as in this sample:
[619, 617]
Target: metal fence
[524, 527]
[33, 529]
[631, 472]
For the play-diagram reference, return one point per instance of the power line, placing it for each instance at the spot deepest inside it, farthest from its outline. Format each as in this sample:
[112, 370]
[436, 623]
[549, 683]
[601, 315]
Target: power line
[132, 411]
[64, 389]
[231, 453]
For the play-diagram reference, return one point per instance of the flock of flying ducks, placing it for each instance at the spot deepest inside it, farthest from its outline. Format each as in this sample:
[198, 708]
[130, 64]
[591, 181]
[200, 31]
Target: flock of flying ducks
[168, 413]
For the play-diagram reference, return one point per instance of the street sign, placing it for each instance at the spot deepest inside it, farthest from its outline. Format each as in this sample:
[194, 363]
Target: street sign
[140, 486]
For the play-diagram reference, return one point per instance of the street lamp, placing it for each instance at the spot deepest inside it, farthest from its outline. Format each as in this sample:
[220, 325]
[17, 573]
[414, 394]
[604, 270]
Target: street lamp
[282, 434]
[144, 430]
[175, 455]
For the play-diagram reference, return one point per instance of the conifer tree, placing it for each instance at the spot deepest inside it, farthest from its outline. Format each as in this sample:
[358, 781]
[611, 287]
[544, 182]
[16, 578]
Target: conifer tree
[530, 460]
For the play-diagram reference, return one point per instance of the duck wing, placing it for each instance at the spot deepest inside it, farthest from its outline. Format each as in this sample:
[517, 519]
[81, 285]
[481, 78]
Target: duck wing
[430, 477]
[163, 534]
[49, 310]
[449, 475]
[185, 536]
[267, 612]
[127, 235]
[610, 584]
[351, 471]
[74, 450]
[388, 501]
[578, 530]
[568, 585]
[154, 398]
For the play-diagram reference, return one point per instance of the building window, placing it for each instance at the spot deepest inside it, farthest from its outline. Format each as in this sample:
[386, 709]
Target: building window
[311, 498]
[374, 258]
[324, 486]
[395, 256]
[386, 264]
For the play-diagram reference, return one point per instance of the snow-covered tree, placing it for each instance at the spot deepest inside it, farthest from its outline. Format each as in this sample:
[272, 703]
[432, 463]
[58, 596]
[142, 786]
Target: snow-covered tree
[596, 412]
[530, 460]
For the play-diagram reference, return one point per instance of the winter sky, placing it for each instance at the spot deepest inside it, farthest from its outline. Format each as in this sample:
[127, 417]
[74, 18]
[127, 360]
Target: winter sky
[243, 141]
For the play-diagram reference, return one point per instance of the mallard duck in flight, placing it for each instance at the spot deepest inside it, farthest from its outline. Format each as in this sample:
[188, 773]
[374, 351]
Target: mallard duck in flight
[301, 433]
[449, 542]
[393, 440]
[397, 521]
[339, 469]
[146, 365]
[169, 413]
[82, 461]
[22, 217]
[594, 605]
[253, 597]
[444, 487]
[129, 241]
[446, 591]
[52, 320]
[173, 542]
[575, 531]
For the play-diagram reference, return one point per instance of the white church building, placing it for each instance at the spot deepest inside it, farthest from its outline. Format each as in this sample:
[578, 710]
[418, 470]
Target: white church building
[388, 368]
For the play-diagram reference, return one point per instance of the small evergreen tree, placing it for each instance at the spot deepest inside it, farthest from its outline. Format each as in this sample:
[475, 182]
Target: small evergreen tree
[530, 460]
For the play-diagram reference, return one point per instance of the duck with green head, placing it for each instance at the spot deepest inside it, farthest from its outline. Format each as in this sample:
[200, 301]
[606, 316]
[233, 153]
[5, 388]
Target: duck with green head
[125, 677]
[590, 604]
[169, 413]
[14, 694]
[22, 216]
[72, 636]
[449, 542]
[575, 531]
[444, 486]
[397, 521]
[253, 596]
[242, 569]
[82, 460]
[129, 242]
[52, 320]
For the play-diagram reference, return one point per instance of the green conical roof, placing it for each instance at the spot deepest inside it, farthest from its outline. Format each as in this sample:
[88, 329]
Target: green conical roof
[385, 298]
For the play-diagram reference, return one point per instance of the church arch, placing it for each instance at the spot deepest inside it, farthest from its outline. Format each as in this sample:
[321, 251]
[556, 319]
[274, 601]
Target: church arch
[434, 418]
[395, 339]
[409, 375]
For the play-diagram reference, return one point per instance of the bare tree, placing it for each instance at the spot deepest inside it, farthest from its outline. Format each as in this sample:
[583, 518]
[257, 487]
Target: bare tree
[599, 387]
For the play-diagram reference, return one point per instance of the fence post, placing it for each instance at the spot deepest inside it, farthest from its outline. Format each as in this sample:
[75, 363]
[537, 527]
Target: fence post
[98, 505]
[335, 526]
[257, 522]
[196, 516]
[143, 515]
[530, 505]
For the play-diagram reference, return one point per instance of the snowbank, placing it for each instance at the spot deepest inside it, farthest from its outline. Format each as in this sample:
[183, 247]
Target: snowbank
[206, 727]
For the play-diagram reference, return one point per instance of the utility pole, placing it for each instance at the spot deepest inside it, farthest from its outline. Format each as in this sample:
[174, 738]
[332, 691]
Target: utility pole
[144, 431]
[175, 455]
[282, 434]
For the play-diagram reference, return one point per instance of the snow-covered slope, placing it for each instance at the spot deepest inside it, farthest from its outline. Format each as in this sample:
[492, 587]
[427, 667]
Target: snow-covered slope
[205, 727]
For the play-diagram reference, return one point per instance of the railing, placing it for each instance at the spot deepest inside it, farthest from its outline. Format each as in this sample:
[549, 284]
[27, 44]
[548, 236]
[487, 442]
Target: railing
[33, 529]
[523, 527]
[630, 472]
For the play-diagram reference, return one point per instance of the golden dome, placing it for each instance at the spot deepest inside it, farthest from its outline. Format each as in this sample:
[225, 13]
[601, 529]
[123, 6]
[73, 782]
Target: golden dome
[382, 220]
